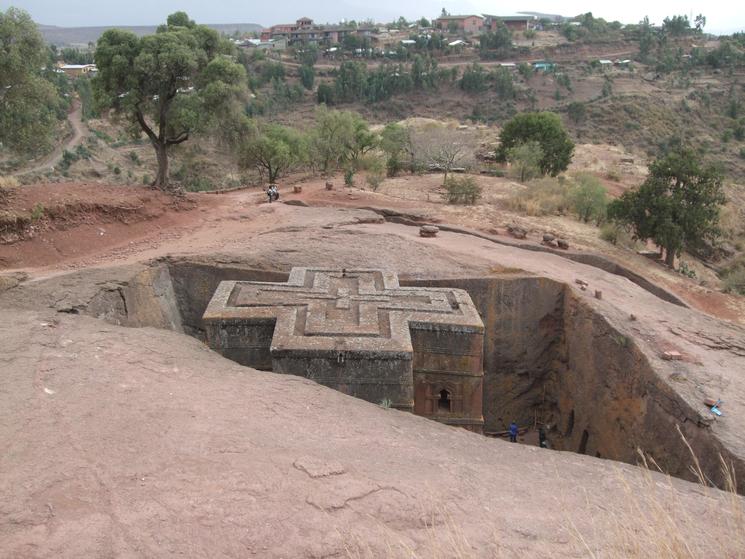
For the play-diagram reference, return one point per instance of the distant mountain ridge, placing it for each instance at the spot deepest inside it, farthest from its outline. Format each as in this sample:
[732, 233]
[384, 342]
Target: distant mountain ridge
[81, 36]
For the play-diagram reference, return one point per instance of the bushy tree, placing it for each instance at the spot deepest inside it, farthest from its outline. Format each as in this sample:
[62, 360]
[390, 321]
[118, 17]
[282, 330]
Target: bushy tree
[462, 190]
[677, 206]
[676, 25]
[547, 130]
[339, 138]
[30, 106]
[498, 41]
[474, 79]
[325, 94]
[351, 82]
[588, 198]
[167, 85]
[577, 111]
[526, 160]
[647, 39]
[395, 141]
[503, 83]
[272, 150]
[307, 76]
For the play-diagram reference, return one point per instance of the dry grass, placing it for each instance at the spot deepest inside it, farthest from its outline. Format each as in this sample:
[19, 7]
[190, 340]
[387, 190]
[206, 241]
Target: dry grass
[546, 196]
[652, 521]
[442, 537]
[8, 182]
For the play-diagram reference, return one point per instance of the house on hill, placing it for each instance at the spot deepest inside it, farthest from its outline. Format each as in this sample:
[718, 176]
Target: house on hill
[469, 24]
[519, 22]
[77, 70]
[303, 31]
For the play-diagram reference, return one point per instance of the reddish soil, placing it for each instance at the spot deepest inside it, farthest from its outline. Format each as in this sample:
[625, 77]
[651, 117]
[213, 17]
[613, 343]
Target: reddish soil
[93, 225]
[53, 224]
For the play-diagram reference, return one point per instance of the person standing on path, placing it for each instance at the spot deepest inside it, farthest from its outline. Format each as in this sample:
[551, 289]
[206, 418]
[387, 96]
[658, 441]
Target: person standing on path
[513, 432]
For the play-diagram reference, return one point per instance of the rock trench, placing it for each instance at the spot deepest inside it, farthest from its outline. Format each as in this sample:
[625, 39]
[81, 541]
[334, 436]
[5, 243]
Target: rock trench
[549, 360]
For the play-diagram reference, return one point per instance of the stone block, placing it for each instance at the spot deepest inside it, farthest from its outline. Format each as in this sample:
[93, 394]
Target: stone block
[361, 333]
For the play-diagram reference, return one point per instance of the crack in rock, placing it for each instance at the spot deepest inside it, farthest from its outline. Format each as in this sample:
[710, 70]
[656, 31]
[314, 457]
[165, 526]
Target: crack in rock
[317, 469]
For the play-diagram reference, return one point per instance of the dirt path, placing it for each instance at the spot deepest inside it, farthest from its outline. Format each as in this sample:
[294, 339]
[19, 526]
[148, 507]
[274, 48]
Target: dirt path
[79, 131]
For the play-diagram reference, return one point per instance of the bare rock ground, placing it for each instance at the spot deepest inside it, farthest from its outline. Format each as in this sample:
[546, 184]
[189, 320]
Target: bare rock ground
[141, 442]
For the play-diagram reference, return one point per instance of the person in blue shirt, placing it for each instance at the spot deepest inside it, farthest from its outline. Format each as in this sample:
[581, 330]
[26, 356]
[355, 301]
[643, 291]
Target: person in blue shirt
[513, 432]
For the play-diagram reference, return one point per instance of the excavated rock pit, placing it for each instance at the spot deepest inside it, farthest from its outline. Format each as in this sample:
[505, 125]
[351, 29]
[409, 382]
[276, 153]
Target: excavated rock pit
[549, 358]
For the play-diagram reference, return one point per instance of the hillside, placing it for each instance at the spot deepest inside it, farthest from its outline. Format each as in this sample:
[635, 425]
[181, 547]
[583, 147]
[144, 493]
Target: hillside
[81, 36]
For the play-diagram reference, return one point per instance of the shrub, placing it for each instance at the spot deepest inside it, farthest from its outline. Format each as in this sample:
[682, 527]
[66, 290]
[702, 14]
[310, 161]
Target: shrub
[374, 180]
[82, 152]
[134, 157]
[146, 179]
[199, 184]
[613, 174]
[616, 234]
[68, 158]
[325, 94]
[349, 177]
[609, 233]
[461, 190]
[685, 270]
[607, 89]
[588, 198]
[393, 166]
[734, 281]
[38, 212]
[526, 70]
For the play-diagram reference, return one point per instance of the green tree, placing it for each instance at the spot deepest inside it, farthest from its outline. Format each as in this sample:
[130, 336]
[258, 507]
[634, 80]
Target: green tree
[526, 160]
[30, 106]
[677, 206]
[272, 151]
[339, 137]
[647, 39]
[474, 79]
[545, 128]
[588, 198]
[307, 76]
[395, 141]
[577, 111]
[167, 85]
[499, 40]
[351, 82]
[325, 94]
[503, 83]
[676, 26]
[526, 70]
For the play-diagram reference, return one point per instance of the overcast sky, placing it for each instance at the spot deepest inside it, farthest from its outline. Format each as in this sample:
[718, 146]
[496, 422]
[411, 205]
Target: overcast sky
[722, 16]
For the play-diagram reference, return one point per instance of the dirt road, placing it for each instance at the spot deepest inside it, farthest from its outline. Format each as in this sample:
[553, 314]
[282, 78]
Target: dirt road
[75, 117]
